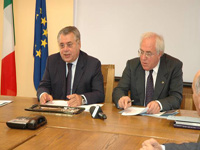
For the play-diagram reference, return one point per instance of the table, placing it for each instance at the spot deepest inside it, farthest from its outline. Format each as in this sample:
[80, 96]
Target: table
[115, 124]
[59, 138]
[11, 138]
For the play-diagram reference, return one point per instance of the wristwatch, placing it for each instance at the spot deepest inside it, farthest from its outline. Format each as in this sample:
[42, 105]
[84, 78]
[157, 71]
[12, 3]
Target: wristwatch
[83, 100]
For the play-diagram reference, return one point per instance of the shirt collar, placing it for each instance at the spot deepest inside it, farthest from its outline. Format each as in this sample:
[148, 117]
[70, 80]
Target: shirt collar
[155, 69]
[74, 62]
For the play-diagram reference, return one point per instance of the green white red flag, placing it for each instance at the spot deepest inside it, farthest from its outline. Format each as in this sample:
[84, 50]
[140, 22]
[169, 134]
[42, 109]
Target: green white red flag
[8, 69]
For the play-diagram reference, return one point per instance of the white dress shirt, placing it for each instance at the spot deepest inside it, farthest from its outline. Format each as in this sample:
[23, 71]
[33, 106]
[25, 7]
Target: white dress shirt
[74, 64]
[154, 75]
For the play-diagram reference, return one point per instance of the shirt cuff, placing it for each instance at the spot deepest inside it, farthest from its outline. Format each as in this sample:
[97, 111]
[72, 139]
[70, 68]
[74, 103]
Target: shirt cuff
[159, 105]
[41, 95]
[163, 147]
[85, 99]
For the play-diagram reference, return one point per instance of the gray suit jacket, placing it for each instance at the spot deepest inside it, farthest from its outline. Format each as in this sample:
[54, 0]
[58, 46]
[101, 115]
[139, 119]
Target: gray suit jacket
[168, 87]
[88, 79]
[184, 146]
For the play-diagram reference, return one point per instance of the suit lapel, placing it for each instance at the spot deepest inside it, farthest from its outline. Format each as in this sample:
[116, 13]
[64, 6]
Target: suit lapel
[161, 78]
[79, 71]
[140, 82]
[61, 72]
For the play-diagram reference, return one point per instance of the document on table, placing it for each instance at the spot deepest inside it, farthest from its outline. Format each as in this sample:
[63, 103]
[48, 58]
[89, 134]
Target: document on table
[65, 103]
[142, 111]
[57, 103]
[163, 114]
[4, 102]
[134, 111]
[158, 115]
[184, 119]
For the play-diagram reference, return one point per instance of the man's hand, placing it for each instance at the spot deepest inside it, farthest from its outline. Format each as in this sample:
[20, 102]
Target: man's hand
[124, 102]
[151, 144]
[45, 97]
[154, 107]
[74, 100]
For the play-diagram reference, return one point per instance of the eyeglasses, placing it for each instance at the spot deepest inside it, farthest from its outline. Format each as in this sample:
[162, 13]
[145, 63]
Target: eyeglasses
[147, 54]
[69, 45]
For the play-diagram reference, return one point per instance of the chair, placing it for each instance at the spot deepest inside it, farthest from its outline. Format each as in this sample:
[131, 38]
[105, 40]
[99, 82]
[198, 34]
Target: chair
[187, 102]
[108, 72]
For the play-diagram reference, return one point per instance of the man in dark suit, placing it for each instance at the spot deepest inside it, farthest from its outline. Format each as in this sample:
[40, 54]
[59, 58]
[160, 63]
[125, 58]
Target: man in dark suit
[152, 144]
[165, 83]
[86, 79]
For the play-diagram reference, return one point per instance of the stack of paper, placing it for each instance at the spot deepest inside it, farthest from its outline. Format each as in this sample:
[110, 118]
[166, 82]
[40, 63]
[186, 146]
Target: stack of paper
[134, 111]
[57, 103]
[142, 111]
[163, 114]
[185, 122]
[4, 102]
[65, 103]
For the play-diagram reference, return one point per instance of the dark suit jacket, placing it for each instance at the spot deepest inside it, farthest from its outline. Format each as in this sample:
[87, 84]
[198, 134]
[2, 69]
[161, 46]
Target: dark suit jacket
[168, 86]
[184, 146]
[88, 79]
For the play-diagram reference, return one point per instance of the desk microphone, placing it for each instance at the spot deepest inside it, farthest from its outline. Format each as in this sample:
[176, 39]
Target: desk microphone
[96, 112]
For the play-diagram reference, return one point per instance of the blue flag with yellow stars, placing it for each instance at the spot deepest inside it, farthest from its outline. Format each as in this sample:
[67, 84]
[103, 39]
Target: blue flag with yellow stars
[40, 51]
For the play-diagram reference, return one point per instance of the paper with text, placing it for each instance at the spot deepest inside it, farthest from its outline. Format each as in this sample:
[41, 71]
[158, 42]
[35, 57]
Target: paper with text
[4, 102]
[134, 111]
[65, 103]
[57, 103]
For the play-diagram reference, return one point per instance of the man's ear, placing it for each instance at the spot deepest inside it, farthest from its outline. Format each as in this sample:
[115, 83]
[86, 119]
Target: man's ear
[79, 43]
[198, 99]
[160, 54]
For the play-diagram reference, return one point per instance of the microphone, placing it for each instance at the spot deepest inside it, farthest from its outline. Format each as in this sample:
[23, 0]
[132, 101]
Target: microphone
[96, 112]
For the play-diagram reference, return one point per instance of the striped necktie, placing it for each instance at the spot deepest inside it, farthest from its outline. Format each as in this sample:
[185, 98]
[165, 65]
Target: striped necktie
[149, 88]
[69, 78]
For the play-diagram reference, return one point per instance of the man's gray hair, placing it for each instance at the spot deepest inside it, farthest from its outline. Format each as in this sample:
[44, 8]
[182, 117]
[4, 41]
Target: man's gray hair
[160, 45]
[67, 30]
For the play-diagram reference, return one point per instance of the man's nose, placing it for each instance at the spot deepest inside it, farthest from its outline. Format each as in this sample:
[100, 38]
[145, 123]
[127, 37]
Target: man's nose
[66, 48]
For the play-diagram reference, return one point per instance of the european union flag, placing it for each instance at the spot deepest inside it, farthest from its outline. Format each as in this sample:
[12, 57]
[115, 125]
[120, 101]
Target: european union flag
[40, 51]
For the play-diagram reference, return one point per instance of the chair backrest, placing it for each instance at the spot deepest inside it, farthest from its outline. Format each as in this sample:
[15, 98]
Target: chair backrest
[108, 72]
[187, 101]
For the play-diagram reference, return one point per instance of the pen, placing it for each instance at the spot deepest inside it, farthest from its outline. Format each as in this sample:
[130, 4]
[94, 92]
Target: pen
[130, 101]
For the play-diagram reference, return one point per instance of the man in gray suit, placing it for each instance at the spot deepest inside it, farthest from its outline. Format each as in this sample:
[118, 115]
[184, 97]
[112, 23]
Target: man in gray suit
[86, 81]
[152, 144]
[166, 78]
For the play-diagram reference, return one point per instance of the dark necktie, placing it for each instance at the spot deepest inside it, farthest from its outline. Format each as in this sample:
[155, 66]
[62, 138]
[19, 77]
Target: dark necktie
[69, 78]
[149, 88]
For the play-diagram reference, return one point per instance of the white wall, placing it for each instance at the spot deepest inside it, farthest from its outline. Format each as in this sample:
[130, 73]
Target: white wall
[111, 29]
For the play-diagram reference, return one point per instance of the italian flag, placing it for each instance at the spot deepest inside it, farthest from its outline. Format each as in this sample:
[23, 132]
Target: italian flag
[8, 71]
